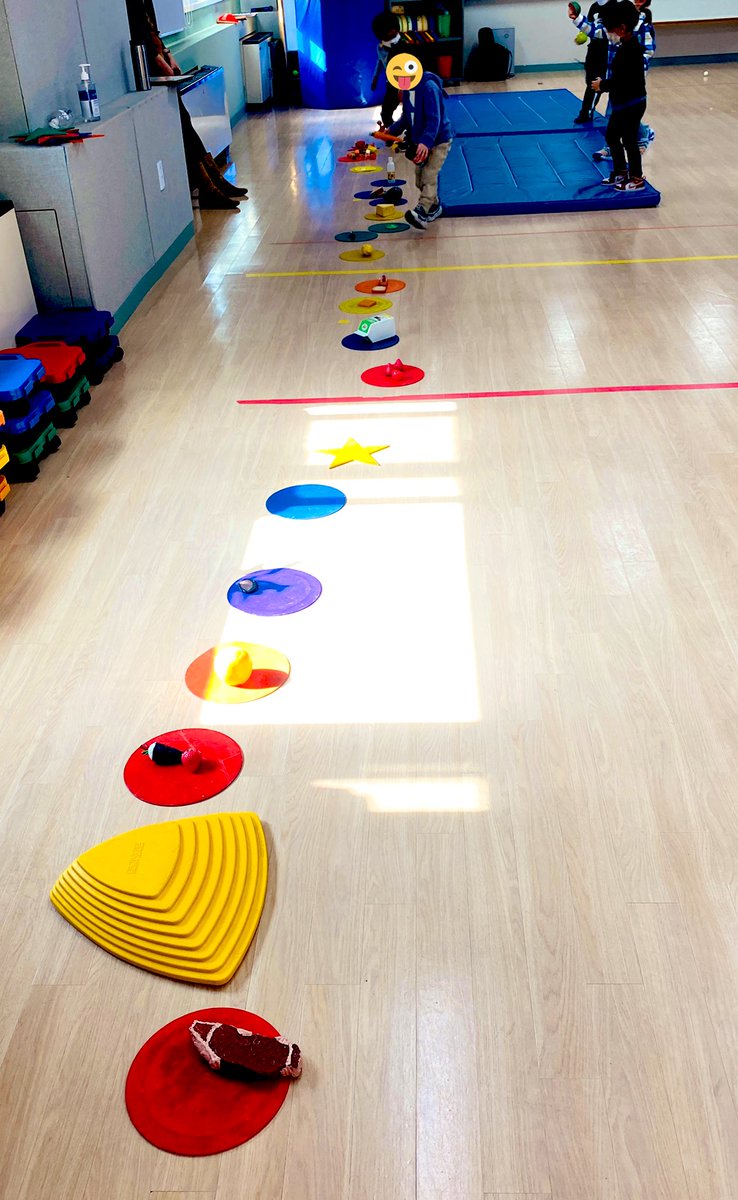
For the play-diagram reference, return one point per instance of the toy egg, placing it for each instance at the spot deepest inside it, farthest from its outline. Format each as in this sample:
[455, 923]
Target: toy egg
[233, 665]
[366, 250]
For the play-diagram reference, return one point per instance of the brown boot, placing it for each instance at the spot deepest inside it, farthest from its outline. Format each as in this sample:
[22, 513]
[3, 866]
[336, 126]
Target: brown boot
[209, 194]
[217, 177]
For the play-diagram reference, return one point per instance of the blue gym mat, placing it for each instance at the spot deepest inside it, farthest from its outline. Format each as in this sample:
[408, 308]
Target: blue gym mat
[528, 173]
[485, 113]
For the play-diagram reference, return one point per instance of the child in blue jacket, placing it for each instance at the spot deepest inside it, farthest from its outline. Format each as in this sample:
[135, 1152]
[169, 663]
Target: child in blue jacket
[429, 137]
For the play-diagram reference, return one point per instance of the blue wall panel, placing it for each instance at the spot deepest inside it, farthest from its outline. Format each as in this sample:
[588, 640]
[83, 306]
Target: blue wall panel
[337, 52]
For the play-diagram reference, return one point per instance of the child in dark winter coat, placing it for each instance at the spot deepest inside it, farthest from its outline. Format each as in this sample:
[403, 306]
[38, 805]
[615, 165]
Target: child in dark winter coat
[595, 67]
[428, 129]
[386, 28]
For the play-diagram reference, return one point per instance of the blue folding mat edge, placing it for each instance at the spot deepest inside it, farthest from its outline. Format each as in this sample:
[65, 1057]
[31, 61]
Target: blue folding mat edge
[551, 110]
[531, 173]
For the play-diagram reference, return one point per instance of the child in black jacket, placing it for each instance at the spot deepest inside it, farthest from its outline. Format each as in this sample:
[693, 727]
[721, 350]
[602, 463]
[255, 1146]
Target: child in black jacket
[627, 88]
[595, 67]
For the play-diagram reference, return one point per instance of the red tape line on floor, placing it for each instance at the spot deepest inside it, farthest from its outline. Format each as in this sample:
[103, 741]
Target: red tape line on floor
[503, 395]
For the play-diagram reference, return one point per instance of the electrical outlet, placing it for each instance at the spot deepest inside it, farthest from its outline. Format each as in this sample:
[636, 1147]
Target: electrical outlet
[160, 172]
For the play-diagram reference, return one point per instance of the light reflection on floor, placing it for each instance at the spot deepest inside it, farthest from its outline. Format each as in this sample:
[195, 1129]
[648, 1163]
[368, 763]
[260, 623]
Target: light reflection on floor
[390, 639]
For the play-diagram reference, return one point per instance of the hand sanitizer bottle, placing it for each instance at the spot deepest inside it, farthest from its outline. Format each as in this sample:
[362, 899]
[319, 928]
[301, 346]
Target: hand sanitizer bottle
[391, 168]
[88, 101]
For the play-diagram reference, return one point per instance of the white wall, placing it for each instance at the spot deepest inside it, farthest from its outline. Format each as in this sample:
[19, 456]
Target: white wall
[544, 34]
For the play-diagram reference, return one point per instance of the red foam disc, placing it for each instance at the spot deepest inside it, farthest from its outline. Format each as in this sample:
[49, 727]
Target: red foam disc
[182, 1106]
[171, 787]
[378, 377]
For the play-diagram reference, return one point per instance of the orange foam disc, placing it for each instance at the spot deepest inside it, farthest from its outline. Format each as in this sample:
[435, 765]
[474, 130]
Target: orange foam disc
[366, 285]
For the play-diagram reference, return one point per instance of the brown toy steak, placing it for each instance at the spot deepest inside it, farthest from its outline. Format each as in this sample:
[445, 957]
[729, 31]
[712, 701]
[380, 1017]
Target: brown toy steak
[238, 1051]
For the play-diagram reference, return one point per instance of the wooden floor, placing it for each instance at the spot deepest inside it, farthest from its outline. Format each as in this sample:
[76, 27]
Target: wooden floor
[500, 788]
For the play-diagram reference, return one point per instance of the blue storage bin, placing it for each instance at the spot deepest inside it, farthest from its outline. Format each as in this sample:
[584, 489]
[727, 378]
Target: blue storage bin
[83, 327]
[88, 328]
[18, 378]
[16, 429]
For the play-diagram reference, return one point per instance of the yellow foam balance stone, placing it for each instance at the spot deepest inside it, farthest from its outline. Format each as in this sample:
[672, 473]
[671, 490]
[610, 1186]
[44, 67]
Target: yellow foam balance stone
[182, 898]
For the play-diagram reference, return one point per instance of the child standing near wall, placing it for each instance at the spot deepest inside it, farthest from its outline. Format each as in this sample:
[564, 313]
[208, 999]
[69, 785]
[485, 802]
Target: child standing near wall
[595, 67]
[386, 28]
[627, 89]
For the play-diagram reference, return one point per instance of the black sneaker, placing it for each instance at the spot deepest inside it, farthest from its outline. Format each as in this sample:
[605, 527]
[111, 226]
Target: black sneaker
[617, 180]
[583, 119]
[434, 213]
[417, 217]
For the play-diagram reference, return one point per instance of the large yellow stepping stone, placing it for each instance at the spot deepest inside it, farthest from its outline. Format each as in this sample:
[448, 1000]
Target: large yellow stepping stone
[183, 898]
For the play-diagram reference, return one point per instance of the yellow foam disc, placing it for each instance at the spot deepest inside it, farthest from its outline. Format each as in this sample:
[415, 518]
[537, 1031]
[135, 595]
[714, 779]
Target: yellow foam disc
[365, 168]
[357, 256]
[395, 214]
[355, 306]
[182, 899]
[270, 669]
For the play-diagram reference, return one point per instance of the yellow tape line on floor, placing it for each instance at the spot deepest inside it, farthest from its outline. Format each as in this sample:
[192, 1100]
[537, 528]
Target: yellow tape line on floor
[516, 266]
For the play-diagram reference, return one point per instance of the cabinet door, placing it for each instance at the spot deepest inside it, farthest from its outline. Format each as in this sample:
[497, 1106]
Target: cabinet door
[111, 212]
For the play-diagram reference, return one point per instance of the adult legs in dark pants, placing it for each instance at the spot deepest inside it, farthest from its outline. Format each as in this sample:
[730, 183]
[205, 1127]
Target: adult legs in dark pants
[622, 138]
[590, 100]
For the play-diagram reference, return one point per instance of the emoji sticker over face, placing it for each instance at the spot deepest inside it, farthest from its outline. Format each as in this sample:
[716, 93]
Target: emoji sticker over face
[404, 72]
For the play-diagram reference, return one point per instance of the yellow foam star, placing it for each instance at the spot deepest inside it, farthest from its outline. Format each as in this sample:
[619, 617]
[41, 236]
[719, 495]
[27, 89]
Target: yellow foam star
[352, 451]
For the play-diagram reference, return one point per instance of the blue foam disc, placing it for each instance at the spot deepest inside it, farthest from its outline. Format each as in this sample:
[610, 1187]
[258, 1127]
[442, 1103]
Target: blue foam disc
[388, 183]
[356, 235]
[354, 342]
[398, 203]
[306, 502]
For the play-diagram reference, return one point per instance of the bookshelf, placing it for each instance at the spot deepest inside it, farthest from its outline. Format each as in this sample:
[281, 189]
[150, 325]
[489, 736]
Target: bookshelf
[438, 27]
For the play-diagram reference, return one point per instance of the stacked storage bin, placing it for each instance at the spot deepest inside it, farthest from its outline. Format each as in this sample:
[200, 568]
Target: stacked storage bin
[88, 328]
[63, 377]
[29, 432]
[4, 459]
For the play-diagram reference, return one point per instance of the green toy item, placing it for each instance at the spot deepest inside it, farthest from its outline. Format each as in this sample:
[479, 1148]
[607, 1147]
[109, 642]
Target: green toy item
[581, 39]
[577, 7]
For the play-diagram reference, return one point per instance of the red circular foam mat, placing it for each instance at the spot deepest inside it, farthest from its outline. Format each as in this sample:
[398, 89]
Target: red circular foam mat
[171, 787]
[182, 1106]
[366, 285]
[378, 377]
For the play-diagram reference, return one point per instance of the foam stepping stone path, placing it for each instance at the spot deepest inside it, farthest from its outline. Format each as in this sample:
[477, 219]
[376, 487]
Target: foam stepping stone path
[357, 256]
[181, 899]
[269, 671]
[182, 1107]
[393, 375]
[175, 786]
[306, 502]
[356, 235]
[366, 287]
[389, 227]
[279, 592]
[366, 307]
[353, 341]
